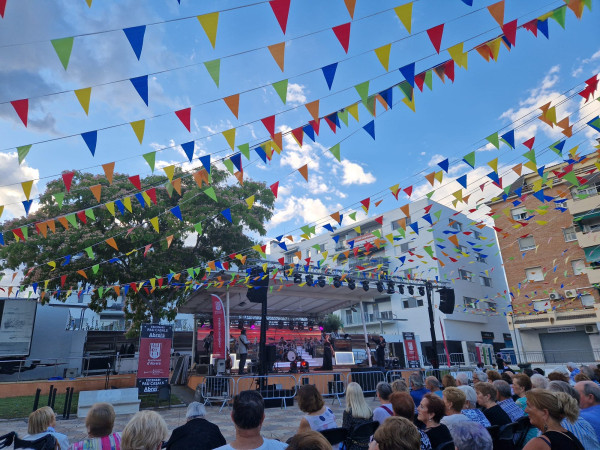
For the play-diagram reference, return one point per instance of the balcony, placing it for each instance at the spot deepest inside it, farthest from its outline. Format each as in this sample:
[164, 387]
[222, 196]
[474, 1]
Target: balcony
[580, 206]
[593, 275]
[590, 239]
[557, 318]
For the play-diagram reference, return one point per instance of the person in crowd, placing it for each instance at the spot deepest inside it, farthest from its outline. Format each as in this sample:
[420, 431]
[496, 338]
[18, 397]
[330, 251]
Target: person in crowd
[540, 371]
[471, 436]
[581, 428]
[470, 407]
[384, 410]
[539, 381]
[589, 402]
[505, 401]
[546, 410]
[479, 377]
[581, 377]
[404, 406]
[448, 381]
[507, 376]
[243, 344]
[430, 411]
[197, 432]
[454, 400]
[145, 430]
[380, 352]
[208, 342]
[99, 423]
[462, 379]
[433, 385]
[42, 422]
[248, 414]
[328, 353]
[317, 416]
[486, 398]
[573, 370]
[308, 440]
[356, 413]
[400, 385]
[417, 389]
[588, 371]
[493, 375]
[396, 433]
[521, 385]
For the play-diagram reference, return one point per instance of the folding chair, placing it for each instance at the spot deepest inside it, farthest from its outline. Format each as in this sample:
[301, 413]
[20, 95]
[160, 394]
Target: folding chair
[359, 436]
[47, 442]
[7, 439]
[335, 435]
[164, 393]
[445, 446]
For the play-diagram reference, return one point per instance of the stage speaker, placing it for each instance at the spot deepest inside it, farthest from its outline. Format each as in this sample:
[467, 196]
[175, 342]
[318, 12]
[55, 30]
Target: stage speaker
[271, 355]
[259, 282]
[203, 369]
[446, 300]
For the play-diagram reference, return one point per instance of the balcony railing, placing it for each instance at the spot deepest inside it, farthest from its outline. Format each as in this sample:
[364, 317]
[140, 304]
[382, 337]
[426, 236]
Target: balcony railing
[561, 356]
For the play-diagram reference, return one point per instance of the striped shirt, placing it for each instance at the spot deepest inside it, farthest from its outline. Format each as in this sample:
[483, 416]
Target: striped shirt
[474, 415]
[512, 409]
[583, 431]
[110, 442]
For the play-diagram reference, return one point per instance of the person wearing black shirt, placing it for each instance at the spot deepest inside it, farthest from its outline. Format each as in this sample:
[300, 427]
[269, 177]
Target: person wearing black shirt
[486, 398]
[197, 433]
[328, 353]
[380, 352]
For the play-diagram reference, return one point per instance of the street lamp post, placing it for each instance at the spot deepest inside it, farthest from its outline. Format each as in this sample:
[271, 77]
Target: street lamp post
[434, 360]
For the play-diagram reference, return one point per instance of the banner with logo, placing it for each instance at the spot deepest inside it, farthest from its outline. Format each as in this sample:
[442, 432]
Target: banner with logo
[218, 327]
[411, 350]
[155, 357]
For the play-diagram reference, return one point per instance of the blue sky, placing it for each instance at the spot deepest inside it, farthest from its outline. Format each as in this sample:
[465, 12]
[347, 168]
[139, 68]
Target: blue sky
[450, 121]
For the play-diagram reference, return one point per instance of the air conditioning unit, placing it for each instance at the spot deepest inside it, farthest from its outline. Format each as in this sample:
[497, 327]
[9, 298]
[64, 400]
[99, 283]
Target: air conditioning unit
[554, 296]
[591, 329]
[571, 293]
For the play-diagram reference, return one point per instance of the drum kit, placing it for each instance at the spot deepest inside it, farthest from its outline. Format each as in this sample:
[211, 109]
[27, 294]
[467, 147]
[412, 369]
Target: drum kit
[287, 352]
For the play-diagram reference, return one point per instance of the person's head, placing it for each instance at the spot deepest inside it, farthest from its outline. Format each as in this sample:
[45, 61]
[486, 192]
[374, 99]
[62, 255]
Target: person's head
[539, 381]
[545, 407]
[211, 333]
[403, 405]
[248, 411]
[589, 394]
[416, 382]
[100, 420]
[448, 381]
[470, 397]
[588, 371]
[581, 377]
[40, 420]
[486, 394]
[431, 409]
[432, 383]
[146, 430]
[471, 436]
[539, 370]
[454, 400]
[571, 366]
[462, 379]
[563, 386]
[384, 391]
[243, 332]
[493, 375]
[355, 401]
[399, 385]
[521, 384]
[528, 372]
[558, 376]
[479, 377]
[502, 390]
[309, 399]
[309, 440]
[507, 376]
[195, 410]
[396, 433]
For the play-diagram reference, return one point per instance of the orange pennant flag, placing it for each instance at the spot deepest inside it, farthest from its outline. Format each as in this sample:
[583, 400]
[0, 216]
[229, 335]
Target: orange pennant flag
[518, 168]
[453, 239]
[278, 53]
[405, 209]
[109, 169]
[240, 176]
[64, 222]
[117, 289]
[313, 109]
[430, 178]
[497, 12]
[304, 171]
[336, 216]
[278, 140]
[96, 190]
[51, 225]
[233, 102]
[169, 240]
[112, 243]
[484, 51]
[43, 228]
[176, 183]
[82, 273]
[350, 5]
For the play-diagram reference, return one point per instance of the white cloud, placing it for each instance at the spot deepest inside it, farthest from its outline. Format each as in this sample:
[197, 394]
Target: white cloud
[11, 193]
[594, 59]
[301, 210]
[295, 94]
[355, 174]
[295, 157]
[435, 159]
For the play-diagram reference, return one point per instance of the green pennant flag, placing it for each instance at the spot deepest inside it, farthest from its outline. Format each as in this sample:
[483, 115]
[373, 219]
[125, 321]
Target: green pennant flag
[190, 272]
[470, 159]
[343, 116]
[571, 178]
[95, 268]
[23, 151]
[306, 229]
[352, 215]
[100, 292]
[150, 159]
[402, 232]
[72, 220]
[493, 139]
[211, 193]
[90, 252]
[363, 91]
[429, 79]
[530, 155]
[169, 188]
[25, 232]
[63, 49]
[430, 194]
[198, 227]
[437, 214]
[335, 151]
[406, 89]
[229, 164]
[507, 189]
[559, 15]
[244, 150]
[214, 69]
[90, 213]
[281, 89]
[376, 233]
[556, 150]
[370, 105]
[58, 198]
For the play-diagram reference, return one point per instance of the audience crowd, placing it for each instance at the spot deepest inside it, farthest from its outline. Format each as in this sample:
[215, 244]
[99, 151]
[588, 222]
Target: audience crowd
[557, 411]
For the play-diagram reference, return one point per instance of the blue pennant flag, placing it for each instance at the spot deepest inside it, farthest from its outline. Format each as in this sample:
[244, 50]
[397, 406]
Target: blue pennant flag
[260, 152]
[540, 171]
[494, 177]
[125, 289]
[507, 42]
[462, 180]
[279, 238]
[539, 195]
[350, 243]
[205, 160]
[328, 227]
[135, 36]
[309, 131]
[444, 165]
[176, 211]
[121, 207]
[509, 138]
[141, 86]
[335, 238]
[237, 161]
[188, 148]
[427, 217]
[67, 260]
[415, 226]
[402, 259]
[333, 118]
[27, 206]
[34, 286]
[468, 2]
[282, 245]
[227, 214]
[91, 138]
[370, 128]
[542, 26]
[387, 95]
[329, 73]
[408, 72]
[518, 191]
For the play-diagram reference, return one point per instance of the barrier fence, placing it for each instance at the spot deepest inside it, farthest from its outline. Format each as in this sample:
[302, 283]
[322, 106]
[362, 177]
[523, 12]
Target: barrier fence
[328, 384]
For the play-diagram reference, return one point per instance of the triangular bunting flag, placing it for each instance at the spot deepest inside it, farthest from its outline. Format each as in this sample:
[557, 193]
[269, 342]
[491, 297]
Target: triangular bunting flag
[185, 116]
[214, 69]
[335, 151]
[269, 123]
[233, 103]
[141, 86]
[370, 128]
[68, 179]
[470, 159]
[435, 35]
[227, 214]
[304, 171]
[281, 89]
[63, 48]
[278, 53]
[404, 13]
[135, 36]
[27, 185]
[229, 136]
[342, 32]
[281, 9]
[383, 54]
[497, 12]
[329, 74]
[150, 158]
[22, 109]
[274, 188]
[210, 23]
[84, 95]
[408, 72]
[138, 128]
[23, 151]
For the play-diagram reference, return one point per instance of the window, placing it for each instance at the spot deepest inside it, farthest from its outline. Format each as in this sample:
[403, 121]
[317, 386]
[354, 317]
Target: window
[404, 248]
[519, 213]
[541, 305]
[527, 243]
[412, 302]
[321, 248]
[463, 249]
[485, 281]
[465, 275]
[470, 302]
[386, 315]
[489, 305]
[534, 274]
[454, 224]
[587, 300]
[476, 234]
[348, 317]
[308, 252]
[396, 223]
[591, 226]
[578, 266]
[587, 191]
[569, 234]
[479, 257]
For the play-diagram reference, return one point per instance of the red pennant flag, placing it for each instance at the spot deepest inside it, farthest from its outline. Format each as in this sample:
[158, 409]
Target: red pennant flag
[298, 134]
[420, 80]
[586, 93]
[366, 202]
[449, 69]
[435, 35]
[532, 26]
[269, 123]
[67, 179]
[185, 117]
[379, 220]
[331, 124]
[82, 217]
[592, 83]
[133, 286]
[315, 124]
[529, 143]
[226, 265]
[148, 247]
[160, 282]
[2, 7]
[281, 9]
[281, 261]
[510, 31]
[342, 32]
[19, 233]
[152, 194]
[408, 191]
[275, 188]
[135, 180]
[428, 208]
[22, 109]
[63, 278]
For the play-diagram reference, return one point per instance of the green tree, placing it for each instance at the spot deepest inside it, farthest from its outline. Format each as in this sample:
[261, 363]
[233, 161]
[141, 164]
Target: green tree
[332, 323]
[131, 230]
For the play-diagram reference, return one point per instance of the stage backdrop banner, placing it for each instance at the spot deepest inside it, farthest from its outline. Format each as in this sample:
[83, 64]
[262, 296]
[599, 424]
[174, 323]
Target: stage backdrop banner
[218, 327]
[411, 349]
[155, 357]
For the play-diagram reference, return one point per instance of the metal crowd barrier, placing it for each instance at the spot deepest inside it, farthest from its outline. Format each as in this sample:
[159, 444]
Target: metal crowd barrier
[218, 389]
[396, 374]
[328, 384]
[272, 387]
[367, 381]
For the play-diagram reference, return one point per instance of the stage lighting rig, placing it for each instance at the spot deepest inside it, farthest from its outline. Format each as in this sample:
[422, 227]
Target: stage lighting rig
[321, 281]
[351, 284]
[297, 278]
[336, 281]
[379, 286]
[411, 290]
[401, 289]
[421, 291]
[309, 279]
[390, 287]
[365, 285]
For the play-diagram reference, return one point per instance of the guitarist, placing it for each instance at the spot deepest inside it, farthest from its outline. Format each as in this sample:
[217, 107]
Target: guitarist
[243, 344]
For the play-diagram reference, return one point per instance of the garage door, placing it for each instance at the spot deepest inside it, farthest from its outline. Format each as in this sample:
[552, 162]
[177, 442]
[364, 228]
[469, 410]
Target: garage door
[573, 346]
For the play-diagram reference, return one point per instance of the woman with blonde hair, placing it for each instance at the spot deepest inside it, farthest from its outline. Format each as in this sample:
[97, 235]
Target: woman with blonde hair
[546, 410]
[99, 422]
[42, 422]
[357, 412]
[145, 431]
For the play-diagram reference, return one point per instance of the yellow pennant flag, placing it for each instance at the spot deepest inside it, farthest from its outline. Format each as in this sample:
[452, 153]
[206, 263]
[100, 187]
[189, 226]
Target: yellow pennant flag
[439, 176]
[458, 55]
[353, 110]
[229, 136]
[530, 165]
[383, 54]
[494, 164]
[138, 128]
[111, 207]
[495, 48]
[83, 95]
[210, 23]
[250, 201]
[404, 13]
[169, 171]
[154, 222]
[127, 203]
[409, 103]
[27, 185]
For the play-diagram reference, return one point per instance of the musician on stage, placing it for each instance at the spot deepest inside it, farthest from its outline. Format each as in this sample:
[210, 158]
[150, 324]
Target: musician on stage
[380, 351]
[328, 353]
[243, 344]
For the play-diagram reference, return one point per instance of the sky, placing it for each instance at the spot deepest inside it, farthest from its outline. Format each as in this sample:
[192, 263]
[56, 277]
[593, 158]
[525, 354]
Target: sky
[450, 121]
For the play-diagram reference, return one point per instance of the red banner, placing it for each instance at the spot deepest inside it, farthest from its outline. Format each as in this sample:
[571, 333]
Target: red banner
[412, 352]
[219, 342]
[155, 357]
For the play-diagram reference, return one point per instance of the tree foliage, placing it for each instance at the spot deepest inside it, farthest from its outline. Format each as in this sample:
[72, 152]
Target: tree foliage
[132, 234]
[332, 323]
